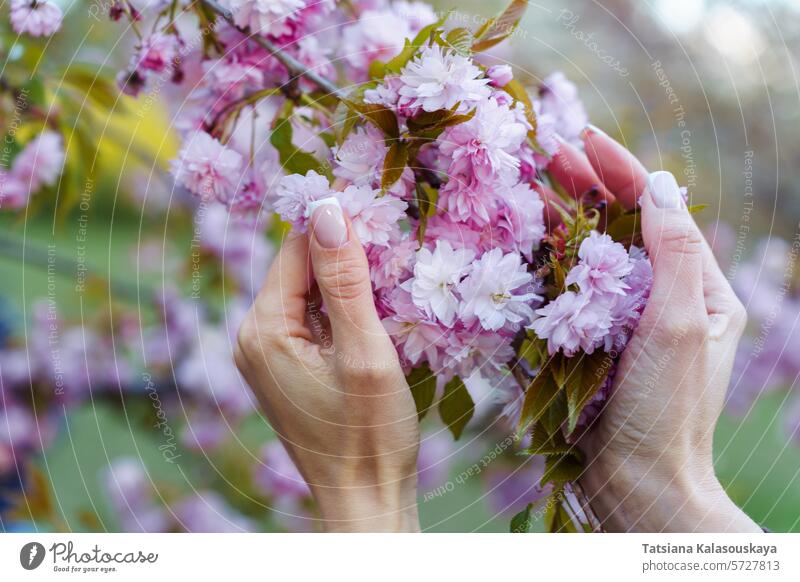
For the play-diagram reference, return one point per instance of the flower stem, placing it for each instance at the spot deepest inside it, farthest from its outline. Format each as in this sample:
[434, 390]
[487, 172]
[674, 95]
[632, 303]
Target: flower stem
[294, 66]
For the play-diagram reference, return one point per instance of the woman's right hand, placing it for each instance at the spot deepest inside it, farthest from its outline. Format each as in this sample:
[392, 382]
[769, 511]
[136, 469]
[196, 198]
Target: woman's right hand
[649, 454]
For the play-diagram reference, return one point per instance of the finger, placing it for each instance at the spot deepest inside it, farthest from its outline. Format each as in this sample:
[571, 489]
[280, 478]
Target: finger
[725, 310]
[552, 202]
[619, 170]
[675, 246]
[572, 170]
[341, 271]
[282, 299]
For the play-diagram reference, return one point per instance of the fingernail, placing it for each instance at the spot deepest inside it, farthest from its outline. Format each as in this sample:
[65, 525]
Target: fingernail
[591, 129]
[664, 190]
[327, 222]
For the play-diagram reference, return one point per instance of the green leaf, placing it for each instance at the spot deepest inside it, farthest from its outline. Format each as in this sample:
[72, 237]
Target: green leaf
[497, 29]
[429, 124]
[460, 40]
[544, 443]
[411, 47]
[522, 522]
[394, 164]
[695, 208]
[626, 228]
[540, 394]
[560, 469]
[584, 376]
[293, 159]
[344, 120]
[557, 518]
[382, 117]
[425, 200]
[456, 406]
[377, 70]
[531, 351]
[519, 94]
[423, 388]
[555, 416]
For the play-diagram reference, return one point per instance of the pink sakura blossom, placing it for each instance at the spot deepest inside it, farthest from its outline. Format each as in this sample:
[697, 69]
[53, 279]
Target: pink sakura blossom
[475, 350]
[387, 94]
[521, 219]
[559, 98]
[232, 74]
[157, 52]
[441, 79]
[417, 337]
[267, 17]
[465, 199]
[14, 193]
[35, 17]
[497, 291]
[483, 150]
[501, 75]
[207, 168]
[546, 132]
[41, 162]
[392, 263]
[436, 275]
[360, 158]
[380, 33]
[467, 234]
[373, 217]
[628, 308]
[602, 266]
[294, 192]
[574, 321]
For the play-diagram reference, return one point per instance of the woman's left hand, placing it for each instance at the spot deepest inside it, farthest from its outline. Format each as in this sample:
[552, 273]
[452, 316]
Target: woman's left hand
[331, 384]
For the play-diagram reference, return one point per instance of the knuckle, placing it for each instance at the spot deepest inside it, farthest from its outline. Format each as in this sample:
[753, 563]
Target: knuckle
[683, 238]
[367, 376]
[253, 337]
[692, 330]
[346, 279]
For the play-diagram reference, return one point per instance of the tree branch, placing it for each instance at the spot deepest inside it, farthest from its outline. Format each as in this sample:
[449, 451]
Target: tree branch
[294, 66]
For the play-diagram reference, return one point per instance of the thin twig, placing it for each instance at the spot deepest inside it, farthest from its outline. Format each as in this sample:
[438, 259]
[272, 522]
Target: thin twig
[586, 507]
[294, 66]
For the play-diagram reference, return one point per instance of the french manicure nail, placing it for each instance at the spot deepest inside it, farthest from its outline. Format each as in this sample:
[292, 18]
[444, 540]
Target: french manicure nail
[664, 190]
[591, 129]
[327, 222]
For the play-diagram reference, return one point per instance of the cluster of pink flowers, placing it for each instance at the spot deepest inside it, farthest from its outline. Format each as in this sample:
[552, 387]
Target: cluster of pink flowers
[456, 300]
[35, 17]
[613, 287]
[455, 289]
[39, 164]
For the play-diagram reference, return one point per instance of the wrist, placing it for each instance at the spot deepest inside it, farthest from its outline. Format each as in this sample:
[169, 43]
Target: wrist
[641, 496]
[388, 507]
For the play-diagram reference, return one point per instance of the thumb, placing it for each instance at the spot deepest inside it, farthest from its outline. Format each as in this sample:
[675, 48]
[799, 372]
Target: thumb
[341, 271]
[675, 246]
